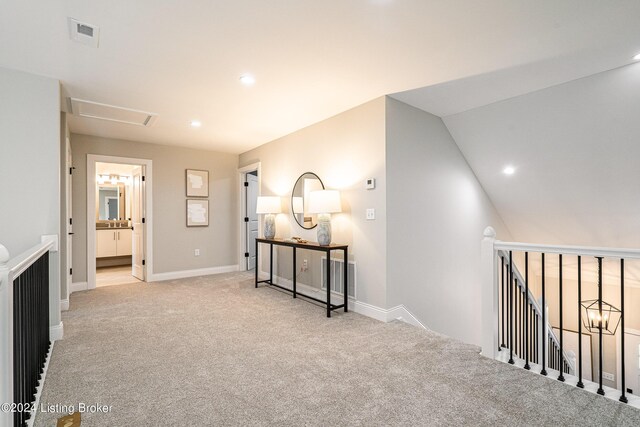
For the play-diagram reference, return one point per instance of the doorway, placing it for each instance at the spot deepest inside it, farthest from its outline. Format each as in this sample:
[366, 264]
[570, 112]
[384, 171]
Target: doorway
[251, 196]
[249, 225]
[118, 220]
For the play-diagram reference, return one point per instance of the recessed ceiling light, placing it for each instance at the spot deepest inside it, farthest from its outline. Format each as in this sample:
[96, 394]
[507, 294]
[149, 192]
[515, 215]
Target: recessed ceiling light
[509, 170]
[196, 123]
[637, 57]
[247, 79]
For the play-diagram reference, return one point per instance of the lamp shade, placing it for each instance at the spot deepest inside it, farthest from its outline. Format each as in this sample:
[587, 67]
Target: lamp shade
[324, 201]
[268, 205]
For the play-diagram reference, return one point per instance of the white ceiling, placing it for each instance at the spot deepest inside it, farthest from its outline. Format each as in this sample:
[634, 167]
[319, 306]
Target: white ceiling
[576, 151]
[311, 59]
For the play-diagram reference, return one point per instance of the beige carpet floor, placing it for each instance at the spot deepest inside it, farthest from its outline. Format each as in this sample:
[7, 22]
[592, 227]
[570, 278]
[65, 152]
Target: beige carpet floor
[214, 351]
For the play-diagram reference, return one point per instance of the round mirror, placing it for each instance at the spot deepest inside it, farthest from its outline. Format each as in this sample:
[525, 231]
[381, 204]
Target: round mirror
[307, 182]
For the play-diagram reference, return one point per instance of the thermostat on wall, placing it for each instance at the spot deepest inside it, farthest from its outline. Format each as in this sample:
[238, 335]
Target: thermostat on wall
[370, 183]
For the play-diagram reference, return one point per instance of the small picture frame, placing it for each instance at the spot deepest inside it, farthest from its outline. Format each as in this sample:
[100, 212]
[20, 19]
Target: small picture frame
[197, 183]
[197, 213]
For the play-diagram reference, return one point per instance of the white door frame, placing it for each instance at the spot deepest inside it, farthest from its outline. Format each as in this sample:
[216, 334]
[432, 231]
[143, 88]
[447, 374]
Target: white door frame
[242, 206]
[618, 352]
[68, 153]
[92, 159]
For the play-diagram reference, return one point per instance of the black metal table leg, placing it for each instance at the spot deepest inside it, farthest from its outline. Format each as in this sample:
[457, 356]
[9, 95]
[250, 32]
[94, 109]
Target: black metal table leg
[257, 258]
[346, 279]
[294, 272]
[271, 264]
[328, 283]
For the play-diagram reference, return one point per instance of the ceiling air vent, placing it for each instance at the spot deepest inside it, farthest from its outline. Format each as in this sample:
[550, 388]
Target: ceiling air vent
[84, 33]
[112, 113]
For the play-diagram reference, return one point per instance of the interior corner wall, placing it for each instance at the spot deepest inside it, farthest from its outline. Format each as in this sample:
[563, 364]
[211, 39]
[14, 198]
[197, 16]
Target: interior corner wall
[29, 167]
[437, 212]
[343, 151]
[173, 242]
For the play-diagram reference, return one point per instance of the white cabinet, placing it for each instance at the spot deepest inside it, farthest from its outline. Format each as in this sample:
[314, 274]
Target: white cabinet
[113, 242]
[123, 238]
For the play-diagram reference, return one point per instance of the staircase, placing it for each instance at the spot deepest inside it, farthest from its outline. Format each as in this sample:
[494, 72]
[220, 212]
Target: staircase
[523, 327]
[515, 324]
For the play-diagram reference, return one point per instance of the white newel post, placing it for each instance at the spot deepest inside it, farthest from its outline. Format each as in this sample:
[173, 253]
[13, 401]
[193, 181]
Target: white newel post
[489, 295]
[6, 341]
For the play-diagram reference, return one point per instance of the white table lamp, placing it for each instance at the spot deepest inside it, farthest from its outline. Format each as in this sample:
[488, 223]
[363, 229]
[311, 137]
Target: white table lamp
[324, 203]
[269, 205]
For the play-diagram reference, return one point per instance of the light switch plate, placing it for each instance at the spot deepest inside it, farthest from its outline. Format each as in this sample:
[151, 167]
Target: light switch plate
[371, 213]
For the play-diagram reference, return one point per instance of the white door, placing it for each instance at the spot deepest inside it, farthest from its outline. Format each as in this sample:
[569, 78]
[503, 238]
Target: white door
[138, 226]
[69, 217]
[252, 224]
[632, 361]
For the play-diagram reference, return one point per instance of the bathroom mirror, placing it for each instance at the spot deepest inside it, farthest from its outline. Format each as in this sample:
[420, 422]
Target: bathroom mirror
[110, 204]
[307, 182]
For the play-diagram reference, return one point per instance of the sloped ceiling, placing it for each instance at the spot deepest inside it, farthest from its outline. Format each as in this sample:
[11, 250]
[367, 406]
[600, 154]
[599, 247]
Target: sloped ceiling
[311, 59]
[576, 150]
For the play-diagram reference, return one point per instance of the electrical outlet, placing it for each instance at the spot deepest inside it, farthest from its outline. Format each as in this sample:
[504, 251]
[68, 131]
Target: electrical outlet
[305, 265]
[371, 214]
[197, 252]
[607, 376]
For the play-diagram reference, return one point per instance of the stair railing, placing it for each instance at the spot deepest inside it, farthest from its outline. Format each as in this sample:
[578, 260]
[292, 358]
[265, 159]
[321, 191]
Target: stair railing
[502, 286]
[527, 313]
[24, 331]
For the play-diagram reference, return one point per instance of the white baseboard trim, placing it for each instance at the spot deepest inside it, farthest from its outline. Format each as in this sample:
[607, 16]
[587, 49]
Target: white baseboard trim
[36, 405]
[64, 304]
[56, 332]
[78, 286]
[172, 275]
[370, 311]
[399, 312]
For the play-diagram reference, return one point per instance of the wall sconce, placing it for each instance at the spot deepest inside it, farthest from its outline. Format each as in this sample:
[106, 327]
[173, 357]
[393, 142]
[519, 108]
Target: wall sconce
[324, 203]
[269, 205]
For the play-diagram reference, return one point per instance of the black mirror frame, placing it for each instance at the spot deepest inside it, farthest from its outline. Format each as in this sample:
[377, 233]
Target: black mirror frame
[292, 190]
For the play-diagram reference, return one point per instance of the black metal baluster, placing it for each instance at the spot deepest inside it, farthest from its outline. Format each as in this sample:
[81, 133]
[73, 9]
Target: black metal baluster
[503, 291]
[516, 314]
[511, 306]
[580, 383]
[526, 319]
[561, 350]
[522, 332]
[600, 389]
[623, 398]
[544, 321]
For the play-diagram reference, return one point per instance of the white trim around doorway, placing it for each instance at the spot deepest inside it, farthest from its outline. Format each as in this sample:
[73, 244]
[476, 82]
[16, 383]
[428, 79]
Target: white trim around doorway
[242, 232]
[92, 159]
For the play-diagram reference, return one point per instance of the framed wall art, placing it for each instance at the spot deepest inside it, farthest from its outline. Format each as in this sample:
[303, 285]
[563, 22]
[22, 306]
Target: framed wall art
[197, 183]
[197, 213]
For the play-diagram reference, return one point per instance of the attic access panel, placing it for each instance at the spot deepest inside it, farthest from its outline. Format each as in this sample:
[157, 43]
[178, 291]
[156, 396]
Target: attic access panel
[112, 113]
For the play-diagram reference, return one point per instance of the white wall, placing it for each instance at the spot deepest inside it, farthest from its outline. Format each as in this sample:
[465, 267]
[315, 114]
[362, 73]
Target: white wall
[29, 167]
[343, 151]
[436, 213]
[173, 242]
[576, 150]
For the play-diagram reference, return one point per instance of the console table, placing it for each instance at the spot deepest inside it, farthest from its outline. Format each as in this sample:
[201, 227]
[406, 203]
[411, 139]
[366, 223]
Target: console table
[314, 247]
